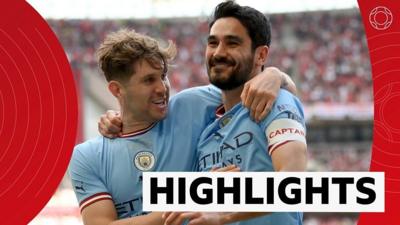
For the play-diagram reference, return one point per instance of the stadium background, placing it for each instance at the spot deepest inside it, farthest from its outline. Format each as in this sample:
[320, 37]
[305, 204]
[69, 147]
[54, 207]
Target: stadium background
[324, 51]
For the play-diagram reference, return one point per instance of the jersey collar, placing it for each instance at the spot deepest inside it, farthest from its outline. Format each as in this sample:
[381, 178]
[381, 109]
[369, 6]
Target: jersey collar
[220, 111]
[138, 132]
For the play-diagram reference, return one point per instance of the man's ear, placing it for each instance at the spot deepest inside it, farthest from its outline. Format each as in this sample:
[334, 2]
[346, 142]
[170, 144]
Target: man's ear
[261, 55]
[115, 88]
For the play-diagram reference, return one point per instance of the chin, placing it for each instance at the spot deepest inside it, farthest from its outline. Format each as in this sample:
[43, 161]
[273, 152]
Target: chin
[164, 116]
[160, 116]
[218, 79]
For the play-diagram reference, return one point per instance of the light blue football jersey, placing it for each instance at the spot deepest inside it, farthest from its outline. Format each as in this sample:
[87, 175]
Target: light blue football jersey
[104, 168]
[235, 139]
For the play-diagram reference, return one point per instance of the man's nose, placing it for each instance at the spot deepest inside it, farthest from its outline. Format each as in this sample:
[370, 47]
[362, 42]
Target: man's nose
[220, 51]
[161, 86]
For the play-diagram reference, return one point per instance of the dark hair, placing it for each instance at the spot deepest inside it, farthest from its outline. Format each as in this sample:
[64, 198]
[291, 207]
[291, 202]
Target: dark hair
[256, 23]
[122, 49]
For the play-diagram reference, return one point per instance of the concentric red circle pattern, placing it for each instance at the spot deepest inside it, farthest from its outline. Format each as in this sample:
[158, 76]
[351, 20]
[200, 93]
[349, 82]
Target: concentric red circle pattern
[383, 38]
[38, 112]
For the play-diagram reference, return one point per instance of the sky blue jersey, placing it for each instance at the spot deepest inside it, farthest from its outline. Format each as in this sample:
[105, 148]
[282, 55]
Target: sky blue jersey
[234, 138]
[103, 168]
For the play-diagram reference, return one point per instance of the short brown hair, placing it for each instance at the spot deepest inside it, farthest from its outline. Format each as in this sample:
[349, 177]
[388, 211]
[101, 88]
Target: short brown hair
[121, 50]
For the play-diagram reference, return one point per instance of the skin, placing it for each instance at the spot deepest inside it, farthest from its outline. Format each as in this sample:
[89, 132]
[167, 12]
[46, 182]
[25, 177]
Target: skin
[143, 98]
[232, 43]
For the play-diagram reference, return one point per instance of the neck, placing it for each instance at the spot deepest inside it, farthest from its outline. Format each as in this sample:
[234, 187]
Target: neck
[231, 97]
[131, 124]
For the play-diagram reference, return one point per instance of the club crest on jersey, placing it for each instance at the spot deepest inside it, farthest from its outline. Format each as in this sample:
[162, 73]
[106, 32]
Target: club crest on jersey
[144, 160]
[225, 120]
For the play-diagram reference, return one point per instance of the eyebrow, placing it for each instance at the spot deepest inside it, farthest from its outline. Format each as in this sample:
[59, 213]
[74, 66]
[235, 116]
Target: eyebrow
[227, 37]
[211, 38]
[153, 74]
[234, 38]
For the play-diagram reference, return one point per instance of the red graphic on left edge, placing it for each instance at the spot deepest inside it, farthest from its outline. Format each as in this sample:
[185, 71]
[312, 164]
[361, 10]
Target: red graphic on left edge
[38, 112]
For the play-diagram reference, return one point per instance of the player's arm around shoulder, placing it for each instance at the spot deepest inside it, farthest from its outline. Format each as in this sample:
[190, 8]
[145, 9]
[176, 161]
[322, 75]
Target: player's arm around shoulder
[199, 95]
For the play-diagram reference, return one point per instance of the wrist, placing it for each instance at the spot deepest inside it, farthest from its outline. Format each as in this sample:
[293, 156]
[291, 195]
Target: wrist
[274, 71]
[225, 218]
[284, 82]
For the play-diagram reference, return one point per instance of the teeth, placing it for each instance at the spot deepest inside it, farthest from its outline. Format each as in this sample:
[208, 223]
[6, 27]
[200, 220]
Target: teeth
[221, 65]
[162, 101]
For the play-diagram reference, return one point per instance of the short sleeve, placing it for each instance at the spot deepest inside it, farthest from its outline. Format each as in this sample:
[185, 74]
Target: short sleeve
[85, 178]
[285, 122]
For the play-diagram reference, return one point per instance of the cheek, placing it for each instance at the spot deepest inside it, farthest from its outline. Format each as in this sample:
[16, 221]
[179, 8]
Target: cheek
[141, 94]
[247, 58]
[208, 54]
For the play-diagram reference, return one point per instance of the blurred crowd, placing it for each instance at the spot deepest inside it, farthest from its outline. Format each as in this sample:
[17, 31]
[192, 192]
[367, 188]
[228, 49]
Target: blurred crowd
[324, 52]
[339, 157]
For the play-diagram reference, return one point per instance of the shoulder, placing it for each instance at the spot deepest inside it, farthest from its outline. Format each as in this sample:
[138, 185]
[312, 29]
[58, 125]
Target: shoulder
[285, 97]
[87, 151]
[285, 123]
[201, 93]
[89, 145]
[288, 103]
[286, 106]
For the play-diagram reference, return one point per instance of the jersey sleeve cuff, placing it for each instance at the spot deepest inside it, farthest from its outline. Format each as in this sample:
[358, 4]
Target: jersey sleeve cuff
[94, 198]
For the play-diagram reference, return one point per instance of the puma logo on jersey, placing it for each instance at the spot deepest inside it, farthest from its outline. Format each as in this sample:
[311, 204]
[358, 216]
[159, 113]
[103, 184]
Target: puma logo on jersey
[80, 187]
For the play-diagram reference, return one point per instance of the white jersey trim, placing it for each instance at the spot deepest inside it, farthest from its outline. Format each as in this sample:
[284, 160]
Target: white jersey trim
[281, 131]
[94, 198]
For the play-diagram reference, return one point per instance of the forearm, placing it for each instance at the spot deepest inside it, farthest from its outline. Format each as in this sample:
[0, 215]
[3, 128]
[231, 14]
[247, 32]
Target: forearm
[231, 217]
[288, 84]
[285, 80]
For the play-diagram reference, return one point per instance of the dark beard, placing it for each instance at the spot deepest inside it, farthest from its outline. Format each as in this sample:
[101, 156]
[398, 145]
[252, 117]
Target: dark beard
[239, 76]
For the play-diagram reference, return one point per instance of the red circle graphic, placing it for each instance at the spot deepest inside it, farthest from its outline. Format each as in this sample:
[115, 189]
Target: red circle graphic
[38, 112]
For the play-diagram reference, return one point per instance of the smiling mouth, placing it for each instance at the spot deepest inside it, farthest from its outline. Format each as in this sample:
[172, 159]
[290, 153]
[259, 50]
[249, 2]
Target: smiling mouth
[220, 67]
[221, 64]
[160, 103]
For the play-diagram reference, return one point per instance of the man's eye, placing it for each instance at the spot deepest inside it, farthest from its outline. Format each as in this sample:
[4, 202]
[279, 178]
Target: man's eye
[149, 80]
[212, 43]
[233, 44]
